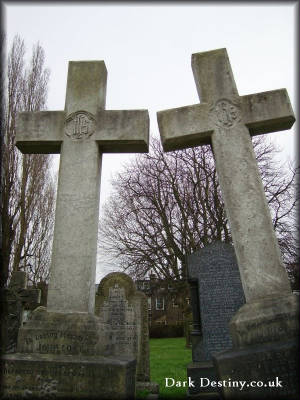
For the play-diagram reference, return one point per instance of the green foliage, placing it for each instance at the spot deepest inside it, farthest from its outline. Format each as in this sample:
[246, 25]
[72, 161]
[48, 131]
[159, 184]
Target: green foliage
[169, 358]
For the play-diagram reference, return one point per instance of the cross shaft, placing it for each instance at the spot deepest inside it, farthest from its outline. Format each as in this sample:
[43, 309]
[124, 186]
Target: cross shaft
[80, 133]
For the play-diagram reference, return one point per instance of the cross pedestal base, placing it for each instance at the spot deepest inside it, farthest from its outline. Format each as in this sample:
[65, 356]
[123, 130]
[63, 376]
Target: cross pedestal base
[265, 351]
[267, 320]
[69, 355]
[64, 334]
[67, 377]
[269, 371]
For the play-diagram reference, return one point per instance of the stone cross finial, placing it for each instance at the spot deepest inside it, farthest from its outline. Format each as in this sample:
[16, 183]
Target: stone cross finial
[227, 121]
[80, 133]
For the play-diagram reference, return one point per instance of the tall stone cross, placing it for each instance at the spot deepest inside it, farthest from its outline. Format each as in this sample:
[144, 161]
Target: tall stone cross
[227, 121]
[80, 133]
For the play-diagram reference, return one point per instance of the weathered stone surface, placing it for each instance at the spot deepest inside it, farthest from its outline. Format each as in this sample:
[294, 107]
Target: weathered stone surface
[266, 321]
[67, 377]
[64, 344]
[63, 334]
[124, 312]
[13, 300]
[80, 133]
[227, 121]
[63, 355]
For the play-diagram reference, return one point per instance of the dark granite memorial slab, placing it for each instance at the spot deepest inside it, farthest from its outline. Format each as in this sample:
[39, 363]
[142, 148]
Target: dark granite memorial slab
[217, 294]
[67, 377]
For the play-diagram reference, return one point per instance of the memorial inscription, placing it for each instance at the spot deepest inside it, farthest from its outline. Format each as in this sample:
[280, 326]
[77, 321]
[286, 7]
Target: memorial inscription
[120, 317]
[124, 313]
[219, 294]
[66, 377]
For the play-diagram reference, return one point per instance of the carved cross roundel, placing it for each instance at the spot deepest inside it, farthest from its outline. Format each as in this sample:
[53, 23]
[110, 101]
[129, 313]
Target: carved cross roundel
[80, 125]
[225, 113]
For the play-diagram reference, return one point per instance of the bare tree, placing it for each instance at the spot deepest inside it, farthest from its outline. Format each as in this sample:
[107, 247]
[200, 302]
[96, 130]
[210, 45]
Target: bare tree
[28, 189]
[167, 205]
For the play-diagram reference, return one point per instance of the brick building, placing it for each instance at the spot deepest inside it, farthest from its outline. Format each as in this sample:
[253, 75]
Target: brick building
[167, 300]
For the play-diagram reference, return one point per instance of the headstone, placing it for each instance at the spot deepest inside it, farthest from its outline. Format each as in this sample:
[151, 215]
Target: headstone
[227, 121]
[13, 301]
[214, 272]
[65, 343]
[124, 312]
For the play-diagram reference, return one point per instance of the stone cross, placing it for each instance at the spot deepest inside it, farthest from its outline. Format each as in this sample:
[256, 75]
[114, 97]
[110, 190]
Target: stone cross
[227, 121]
[13, 300]
[80, 133]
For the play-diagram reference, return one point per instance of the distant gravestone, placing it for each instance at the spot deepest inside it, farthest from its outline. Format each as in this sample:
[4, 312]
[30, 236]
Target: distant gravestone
[124, 311]
[216, 287]
[13, 301]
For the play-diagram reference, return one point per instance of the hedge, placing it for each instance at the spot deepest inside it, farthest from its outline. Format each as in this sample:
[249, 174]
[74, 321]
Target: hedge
[166, 331]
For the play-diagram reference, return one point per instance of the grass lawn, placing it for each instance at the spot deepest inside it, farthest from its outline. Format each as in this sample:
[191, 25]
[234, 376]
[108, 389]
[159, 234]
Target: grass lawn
[169, 358]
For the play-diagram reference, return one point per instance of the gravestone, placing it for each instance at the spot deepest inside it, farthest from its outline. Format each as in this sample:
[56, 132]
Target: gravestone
[216, 286]
[64, 345]
[13, 301]
[267, 325]
[124, 311]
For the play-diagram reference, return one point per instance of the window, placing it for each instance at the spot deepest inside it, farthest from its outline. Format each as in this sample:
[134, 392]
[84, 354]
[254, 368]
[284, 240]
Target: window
[149, 303]
[174, 303]
[146, 285]
[160, 303]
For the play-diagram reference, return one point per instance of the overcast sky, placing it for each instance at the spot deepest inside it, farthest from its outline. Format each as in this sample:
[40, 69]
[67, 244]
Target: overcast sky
[147, 50]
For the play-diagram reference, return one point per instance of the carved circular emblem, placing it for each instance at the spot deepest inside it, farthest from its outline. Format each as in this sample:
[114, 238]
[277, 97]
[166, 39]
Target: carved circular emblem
[80, 125]
[225, 113]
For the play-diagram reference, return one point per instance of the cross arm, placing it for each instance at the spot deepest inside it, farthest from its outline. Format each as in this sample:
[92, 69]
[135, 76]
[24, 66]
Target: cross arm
[125, 131]
[267, 112]
[185, 127]
[40, 132]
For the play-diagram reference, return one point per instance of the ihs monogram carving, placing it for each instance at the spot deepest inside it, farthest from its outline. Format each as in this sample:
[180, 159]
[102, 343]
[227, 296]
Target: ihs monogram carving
[225, 113]
[80, 125]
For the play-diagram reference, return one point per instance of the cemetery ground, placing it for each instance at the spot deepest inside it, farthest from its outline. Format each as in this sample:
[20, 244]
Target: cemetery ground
[168, 358]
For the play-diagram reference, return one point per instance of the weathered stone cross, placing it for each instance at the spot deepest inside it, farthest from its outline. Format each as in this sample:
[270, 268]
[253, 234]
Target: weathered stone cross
[80, 133]
[227, 121]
